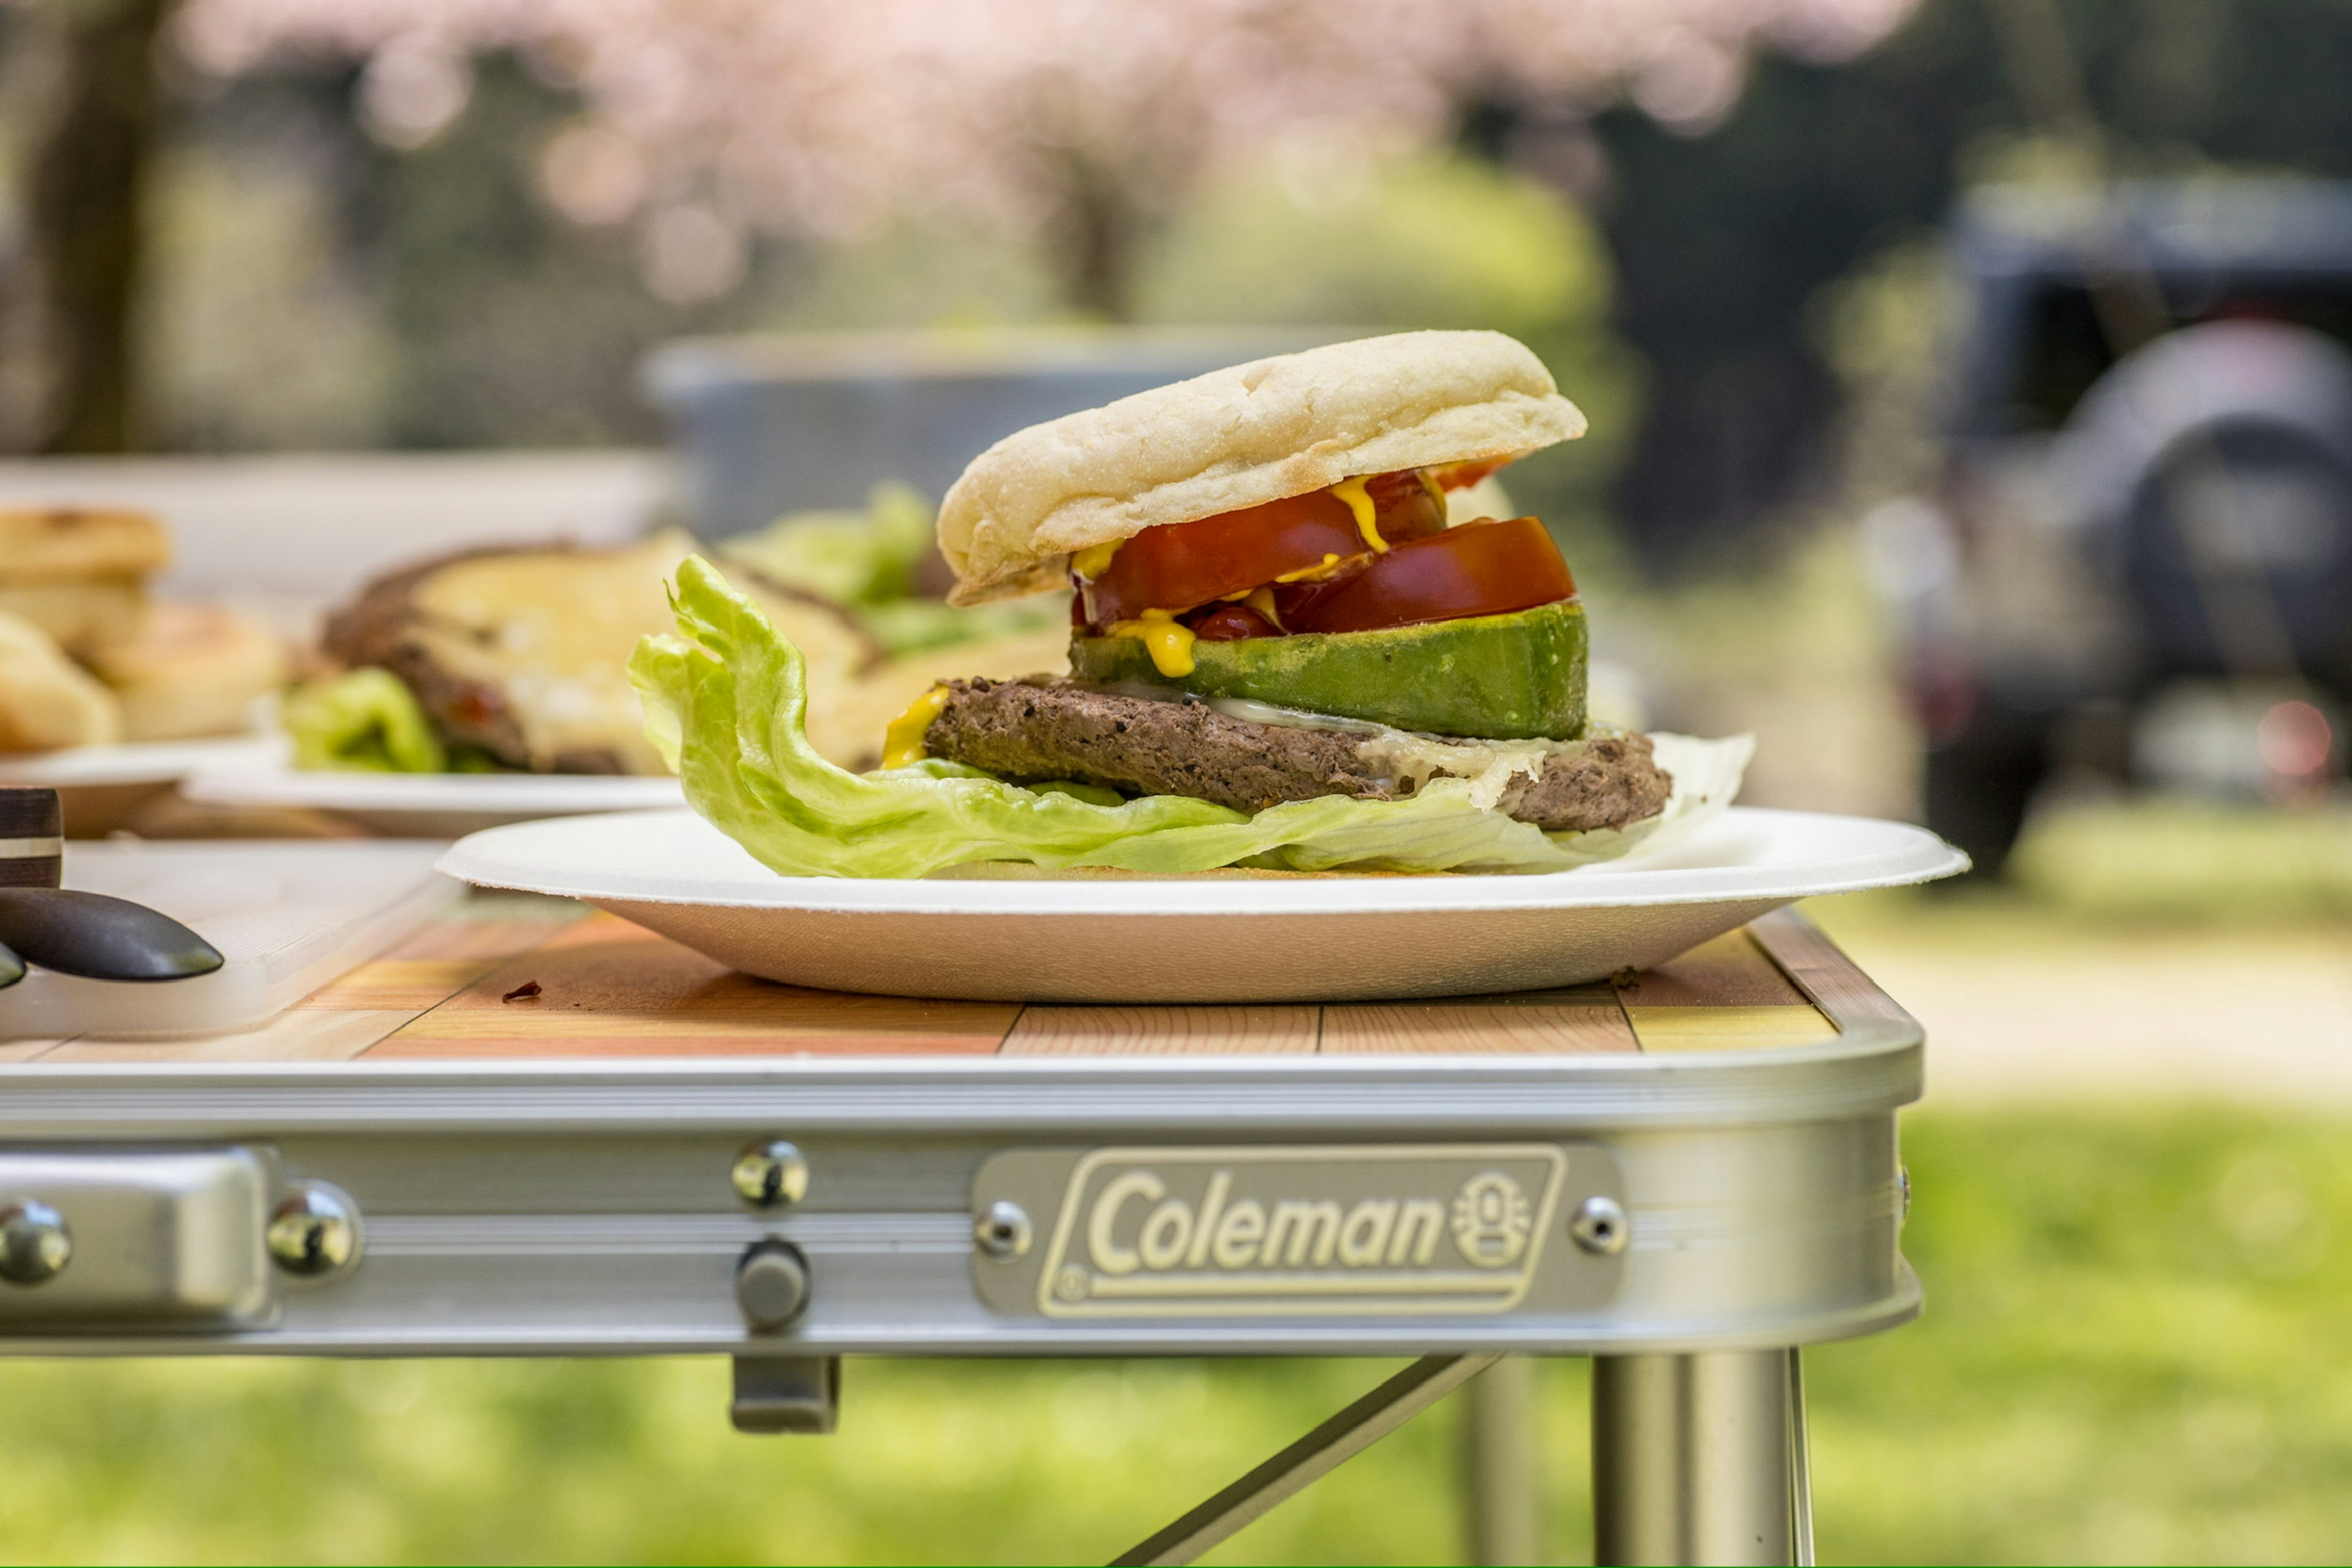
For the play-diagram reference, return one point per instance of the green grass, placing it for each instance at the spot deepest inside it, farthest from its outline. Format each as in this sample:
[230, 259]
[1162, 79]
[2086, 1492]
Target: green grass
[2135, 1350]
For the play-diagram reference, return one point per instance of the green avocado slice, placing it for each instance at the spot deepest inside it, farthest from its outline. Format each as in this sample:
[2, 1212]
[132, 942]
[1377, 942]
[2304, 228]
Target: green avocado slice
[1500, 678]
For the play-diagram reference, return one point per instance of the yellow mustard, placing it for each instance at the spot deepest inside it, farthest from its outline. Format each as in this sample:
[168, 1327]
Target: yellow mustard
[1168, 641]
[1095, 560]
[1360, 501]
[902, 742]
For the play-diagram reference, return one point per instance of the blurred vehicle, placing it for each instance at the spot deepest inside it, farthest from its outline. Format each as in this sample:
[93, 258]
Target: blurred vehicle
[2138, 563]
[811, 422]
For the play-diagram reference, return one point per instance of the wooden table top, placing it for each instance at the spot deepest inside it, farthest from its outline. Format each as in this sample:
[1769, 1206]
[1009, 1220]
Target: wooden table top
[504, 979]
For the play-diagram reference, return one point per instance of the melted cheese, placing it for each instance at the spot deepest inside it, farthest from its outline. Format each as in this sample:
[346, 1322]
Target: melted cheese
[1409, 759]
[1167, 642]
[1360, 501]
[1095, 560]
[1489, 766]
[902, 742]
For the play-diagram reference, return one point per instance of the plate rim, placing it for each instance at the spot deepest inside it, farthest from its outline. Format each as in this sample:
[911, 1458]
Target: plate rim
[485, 859]
[278, 783]
[130, 762]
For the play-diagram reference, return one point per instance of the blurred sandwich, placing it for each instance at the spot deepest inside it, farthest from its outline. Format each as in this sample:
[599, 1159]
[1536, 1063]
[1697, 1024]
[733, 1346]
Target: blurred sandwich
[86, 659]
[79, 576]
[517, 659]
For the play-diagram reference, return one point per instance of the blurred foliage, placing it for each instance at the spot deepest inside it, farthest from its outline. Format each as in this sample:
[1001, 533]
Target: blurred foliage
[865, 557]
[2132, 1352]
[2170, 859]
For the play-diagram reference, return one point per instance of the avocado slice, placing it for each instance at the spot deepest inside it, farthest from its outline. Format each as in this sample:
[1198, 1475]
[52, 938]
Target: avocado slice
[1500, 678]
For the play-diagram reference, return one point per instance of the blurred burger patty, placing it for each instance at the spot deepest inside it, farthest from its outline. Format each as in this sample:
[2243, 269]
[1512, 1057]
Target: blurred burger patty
[1036, 732]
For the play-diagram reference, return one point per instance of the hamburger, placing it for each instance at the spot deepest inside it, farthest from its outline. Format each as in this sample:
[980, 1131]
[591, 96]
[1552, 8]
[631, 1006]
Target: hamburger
[1290, 648]
[514, 658]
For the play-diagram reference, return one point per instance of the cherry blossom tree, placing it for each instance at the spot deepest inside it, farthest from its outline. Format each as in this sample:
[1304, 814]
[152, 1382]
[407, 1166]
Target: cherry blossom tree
[705, 122]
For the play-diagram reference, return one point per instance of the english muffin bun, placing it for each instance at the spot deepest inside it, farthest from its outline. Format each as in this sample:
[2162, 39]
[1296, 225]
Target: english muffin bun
[47, 700]
[79, 576]
[194, 670]
[1240, 437]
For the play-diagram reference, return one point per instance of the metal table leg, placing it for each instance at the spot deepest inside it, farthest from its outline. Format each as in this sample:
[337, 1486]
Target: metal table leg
[1700, 1458]
[1501, 1493]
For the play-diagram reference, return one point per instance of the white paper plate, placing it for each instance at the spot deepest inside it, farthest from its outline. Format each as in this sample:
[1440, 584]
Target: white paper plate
[427, 805]
[1230, 937]
[137, 763]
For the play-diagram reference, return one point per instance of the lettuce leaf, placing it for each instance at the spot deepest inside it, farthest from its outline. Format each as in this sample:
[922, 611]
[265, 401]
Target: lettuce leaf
[724, 703]
[364, 721]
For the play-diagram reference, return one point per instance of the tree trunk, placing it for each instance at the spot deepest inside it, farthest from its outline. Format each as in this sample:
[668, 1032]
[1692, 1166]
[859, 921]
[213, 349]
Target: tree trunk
[1098, 241]
[86, 208]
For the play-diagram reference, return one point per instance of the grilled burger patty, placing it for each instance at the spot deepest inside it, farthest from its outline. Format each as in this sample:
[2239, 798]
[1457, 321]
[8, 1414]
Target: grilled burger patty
[1036, 732]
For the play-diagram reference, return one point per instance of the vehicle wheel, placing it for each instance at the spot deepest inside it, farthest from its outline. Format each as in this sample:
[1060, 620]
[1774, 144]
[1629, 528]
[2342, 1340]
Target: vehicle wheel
[1980, 784]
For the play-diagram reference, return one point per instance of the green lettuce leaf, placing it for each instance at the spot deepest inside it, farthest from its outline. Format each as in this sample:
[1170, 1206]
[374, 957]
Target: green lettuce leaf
[364, 721]
[724, 703]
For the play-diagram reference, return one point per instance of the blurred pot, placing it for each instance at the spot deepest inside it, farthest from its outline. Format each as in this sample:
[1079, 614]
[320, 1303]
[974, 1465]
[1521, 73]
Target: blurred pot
[793, 421]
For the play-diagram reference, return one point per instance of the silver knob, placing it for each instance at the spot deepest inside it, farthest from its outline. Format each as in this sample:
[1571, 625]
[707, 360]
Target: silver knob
[314, 1230]
[771, 1285]
[1001, 1230]
[1600, 1226]
[34, 1242]
[771, 1174]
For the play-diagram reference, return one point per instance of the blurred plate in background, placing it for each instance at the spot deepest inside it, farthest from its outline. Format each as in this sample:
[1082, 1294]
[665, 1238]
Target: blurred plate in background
[427, 805]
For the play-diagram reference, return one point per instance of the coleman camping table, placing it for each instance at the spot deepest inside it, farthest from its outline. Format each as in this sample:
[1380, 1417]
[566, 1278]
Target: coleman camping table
[531, 1130]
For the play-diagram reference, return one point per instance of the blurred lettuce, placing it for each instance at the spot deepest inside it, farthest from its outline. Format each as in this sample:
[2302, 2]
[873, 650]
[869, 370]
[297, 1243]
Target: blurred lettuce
[725, 700]
[366, 722]
[867, 562]
[865, 557]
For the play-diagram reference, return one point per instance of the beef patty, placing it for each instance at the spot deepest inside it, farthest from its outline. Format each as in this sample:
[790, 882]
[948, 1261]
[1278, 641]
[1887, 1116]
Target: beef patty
[1036, 732]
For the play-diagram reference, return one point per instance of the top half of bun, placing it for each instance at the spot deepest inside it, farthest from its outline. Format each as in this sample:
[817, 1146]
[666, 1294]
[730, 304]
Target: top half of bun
[64, 544]
[1240, 437]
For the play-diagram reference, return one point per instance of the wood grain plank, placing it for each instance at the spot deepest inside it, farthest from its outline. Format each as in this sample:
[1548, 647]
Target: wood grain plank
[1731, 970]
[460, 936]
[1580, 1023]
[415, 984]
[1822, 969]
[1668, 1029]
[1057, 1031]
[640, 994]
[317, 1036]
[26, 1050]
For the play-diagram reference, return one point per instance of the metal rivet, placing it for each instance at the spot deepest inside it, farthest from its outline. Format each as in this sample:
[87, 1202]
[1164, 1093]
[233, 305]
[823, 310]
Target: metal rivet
[771, 1174]
[1001, 1230]
[315, 1230]
[1600, 1226]
[1903, 1191]
[772, 1284]
[34, 1242]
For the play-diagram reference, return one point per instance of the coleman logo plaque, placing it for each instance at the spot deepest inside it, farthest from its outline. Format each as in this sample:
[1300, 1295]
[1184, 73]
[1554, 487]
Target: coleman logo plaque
[1221, 1232]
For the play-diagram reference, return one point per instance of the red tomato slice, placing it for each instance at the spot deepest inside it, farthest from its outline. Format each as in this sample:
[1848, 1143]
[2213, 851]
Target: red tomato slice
[1484, 568]
[1461, 476]
[1180, 564]
[1231, 623]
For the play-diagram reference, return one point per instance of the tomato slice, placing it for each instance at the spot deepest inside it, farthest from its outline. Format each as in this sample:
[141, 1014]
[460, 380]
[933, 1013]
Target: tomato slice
[1484, 568]
[1180, 564]
[1231, 623]
[1461, 476]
